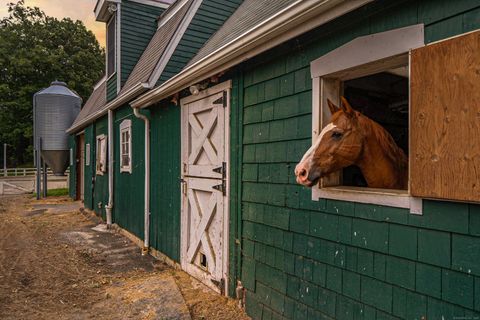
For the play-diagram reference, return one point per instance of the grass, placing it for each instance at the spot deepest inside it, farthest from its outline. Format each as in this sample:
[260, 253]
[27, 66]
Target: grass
[56, 192]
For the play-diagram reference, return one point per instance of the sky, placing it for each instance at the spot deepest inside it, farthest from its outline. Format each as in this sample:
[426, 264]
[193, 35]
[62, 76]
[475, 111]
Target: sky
[74, 9]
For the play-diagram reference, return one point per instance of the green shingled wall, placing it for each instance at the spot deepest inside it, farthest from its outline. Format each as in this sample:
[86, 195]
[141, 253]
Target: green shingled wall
[129, 194]
[138, 24]
[327, 259]
[165, 180]
[208, 19]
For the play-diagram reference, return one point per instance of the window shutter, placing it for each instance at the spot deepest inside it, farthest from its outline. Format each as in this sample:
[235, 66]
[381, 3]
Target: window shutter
[445, 119]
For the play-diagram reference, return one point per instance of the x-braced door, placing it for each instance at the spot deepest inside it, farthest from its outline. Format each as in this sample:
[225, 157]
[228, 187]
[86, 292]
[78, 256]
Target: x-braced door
[204, 225]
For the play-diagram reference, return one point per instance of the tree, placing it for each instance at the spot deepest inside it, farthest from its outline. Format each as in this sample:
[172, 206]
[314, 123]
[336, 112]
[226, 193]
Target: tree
[34, 51]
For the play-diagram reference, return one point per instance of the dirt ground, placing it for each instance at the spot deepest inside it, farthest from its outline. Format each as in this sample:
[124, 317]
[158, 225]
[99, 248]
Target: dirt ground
[44, 274]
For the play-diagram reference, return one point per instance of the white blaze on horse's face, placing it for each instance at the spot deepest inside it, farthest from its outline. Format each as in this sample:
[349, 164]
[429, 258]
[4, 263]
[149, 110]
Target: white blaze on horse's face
[302, 169]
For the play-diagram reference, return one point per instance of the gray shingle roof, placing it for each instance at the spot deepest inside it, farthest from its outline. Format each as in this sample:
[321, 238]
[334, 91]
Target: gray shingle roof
[95, 102]
[250, 14]
[154, 51]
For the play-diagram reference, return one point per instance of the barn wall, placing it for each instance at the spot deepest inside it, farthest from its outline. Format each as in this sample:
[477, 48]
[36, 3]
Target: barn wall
[129, 193]
[112, 87]
[72, 179]
[165, 178]
[89, 170]
[100, 188]
[138, 24]
[329, 259]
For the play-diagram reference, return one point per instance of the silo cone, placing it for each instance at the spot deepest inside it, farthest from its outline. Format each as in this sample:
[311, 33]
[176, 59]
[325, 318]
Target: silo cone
[54, 110]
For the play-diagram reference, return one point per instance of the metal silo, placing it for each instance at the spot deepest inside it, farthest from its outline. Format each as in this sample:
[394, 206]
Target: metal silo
[54, 110]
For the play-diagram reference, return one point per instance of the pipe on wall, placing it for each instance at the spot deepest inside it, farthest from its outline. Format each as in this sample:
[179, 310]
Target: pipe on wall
[146, 243]
[109, 206]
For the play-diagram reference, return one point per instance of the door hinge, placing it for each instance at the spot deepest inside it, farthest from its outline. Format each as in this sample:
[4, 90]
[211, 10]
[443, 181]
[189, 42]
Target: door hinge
[219, 284]
[222, 170]
[222, 100]
[184, 186]
[221, 187]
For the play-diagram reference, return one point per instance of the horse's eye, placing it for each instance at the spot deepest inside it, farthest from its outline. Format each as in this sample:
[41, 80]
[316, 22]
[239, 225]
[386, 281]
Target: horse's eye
[337, 135]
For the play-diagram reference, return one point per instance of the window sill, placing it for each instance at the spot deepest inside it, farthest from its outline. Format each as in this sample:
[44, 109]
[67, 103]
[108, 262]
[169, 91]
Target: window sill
[125, 170]
[384, 197]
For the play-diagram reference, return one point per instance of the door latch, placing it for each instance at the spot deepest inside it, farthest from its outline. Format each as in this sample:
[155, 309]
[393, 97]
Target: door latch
[184, 186]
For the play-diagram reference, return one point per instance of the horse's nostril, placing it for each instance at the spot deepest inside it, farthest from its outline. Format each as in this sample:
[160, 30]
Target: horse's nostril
[302, 173]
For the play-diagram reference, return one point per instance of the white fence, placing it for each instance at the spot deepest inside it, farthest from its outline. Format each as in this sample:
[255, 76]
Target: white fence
[23, 172]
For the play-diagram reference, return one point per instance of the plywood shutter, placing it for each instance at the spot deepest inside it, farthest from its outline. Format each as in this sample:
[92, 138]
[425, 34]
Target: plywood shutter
[445, 119]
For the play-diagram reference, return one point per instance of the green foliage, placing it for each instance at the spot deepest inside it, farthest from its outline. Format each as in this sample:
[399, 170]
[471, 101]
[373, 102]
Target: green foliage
[34, 51]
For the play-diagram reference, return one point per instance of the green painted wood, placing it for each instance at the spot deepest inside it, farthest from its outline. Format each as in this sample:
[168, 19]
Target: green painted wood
[138, 24]
[112, 87]
[209, 18]
[72, 178]
[129, 192]
[351, 257]
[89, 170]
[100, 190]
[165, 180]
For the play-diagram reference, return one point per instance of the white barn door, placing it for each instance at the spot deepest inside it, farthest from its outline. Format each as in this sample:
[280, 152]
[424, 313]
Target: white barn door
[204, 221]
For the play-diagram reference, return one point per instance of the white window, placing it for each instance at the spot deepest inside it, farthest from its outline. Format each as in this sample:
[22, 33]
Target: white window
[111, 46]
[126, 146]
[101, 155]
[87, 154]
[372, 72]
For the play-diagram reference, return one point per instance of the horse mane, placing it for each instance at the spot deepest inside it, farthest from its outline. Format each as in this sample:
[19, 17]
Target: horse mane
[393, 152]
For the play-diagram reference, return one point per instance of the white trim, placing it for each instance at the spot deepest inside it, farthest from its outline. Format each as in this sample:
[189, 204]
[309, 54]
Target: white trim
[296, 19]
[126, 126]
[118, 101]
[172, 11]
[368, 49]
[152, 3]
[226, 85]
[172, 45]
[101, 10]
[88, 154]
[359, 57]
[100, 82]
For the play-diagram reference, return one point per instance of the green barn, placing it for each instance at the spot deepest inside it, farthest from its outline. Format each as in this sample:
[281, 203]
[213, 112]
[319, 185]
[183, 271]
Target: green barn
[191, 141]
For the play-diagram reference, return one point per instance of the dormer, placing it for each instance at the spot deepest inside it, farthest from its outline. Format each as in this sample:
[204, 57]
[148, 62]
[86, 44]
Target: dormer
[130, 24]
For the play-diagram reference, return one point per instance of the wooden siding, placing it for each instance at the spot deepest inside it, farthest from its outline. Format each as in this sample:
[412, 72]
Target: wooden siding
[445, 103]
[89, 170]
[128, 210]
[72, 179]
[327, 259]
[165, 181]
[138, 24]
[112, 87]
[100, 187]
[208, 19]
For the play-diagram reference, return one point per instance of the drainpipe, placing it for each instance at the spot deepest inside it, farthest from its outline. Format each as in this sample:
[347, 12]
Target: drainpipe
[146, 244]
[109, 207]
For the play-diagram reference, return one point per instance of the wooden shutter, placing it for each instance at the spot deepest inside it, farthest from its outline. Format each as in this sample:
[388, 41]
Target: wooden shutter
[445, 119]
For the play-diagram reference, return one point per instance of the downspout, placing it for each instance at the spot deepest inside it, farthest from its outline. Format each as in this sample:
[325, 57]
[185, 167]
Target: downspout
[146, 243]
[109, 207]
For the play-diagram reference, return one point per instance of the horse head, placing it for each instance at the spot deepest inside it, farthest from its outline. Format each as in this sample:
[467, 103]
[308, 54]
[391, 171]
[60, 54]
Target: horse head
[338, 145]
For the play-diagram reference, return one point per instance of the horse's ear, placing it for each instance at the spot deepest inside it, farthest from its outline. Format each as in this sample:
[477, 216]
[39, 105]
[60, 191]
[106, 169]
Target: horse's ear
[346, 107]
[333, 108]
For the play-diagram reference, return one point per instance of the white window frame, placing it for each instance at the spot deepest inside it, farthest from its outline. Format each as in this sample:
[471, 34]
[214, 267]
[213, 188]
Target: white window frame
[360, 57]
[87, 154]
[101, 154]
[126, 127]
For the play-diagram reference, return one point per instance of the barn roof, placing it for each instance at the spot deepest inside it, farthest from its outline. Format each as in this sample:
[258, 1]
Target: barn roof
[255, 27]
[95, 102]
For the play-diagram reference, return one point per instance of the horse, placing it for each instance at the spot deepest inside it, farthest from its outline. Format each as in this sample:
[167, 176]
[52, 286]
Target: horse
[352, 138]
